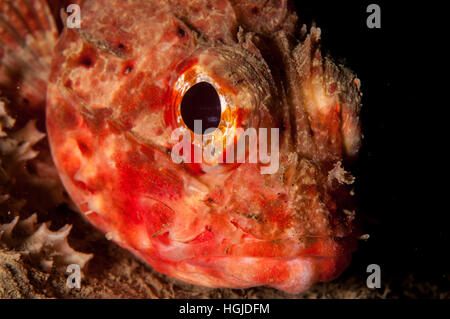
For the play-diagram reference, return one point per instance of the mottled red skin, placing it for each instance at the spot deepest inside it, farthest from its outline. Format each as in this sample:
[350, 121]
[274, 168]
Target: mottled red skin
[112, 104]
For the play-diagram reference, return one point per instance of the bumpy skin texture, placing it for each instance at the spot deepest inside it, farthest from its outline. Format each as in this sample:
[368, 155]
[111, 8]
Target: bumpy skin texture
[113, 102]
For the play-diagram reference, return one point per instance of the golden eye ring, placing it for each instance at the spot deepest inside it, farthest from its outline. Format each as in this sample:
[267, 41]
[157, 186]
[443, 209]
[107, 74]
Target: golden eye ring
[223, 136]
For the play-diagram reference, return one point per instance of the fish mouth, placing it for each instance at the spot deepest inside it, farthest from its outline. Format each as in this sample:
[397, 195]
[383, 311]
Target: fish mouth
[291, 275]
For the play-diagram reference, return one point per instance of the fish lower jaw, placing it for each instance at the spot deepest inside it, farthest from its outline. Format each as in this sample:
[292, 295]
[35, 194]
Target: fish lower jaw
[293, 275]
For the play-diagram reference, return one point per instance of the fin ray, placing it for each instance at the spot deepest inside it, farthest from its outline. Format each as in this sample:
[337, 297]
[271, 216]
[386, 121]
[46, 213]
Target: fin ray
[28, 35]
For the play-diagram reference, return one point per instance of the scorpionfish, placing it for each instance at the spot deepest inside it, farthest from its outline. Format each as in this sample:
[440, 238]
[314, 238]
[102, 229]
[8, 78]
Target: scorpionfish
[116, 87]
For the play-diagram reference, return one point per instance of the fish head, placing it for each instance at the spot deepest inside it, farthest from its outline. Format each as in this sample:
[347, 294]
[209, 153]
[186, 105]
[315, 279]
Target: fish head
[206, 139]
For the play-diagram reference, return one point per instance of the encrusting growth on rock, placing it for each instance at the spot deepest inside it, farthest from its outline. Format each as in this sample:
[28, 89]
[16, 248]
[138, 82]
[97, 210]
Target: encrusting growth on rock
[32, 240]
[40, 245]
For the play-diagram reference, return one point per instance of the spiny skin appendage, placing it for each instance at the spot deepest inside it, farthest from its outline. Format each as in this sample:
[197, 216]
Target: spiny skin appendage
[39, 244]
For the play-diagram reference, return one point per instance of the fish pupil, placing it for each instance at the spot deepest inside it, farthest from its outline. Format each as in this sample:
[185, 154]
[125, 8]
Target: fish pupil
[201, 102]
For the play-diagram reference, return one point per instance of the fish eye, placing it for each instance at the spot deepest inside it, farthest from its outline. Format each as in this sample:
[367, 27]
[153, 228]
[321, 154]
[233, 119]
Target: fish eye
[201, 102]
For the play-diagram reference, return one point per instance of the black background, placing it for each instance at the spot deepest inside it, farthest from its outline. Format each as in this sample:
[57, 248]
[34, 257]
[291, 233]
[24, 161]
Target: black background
[398, 172]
